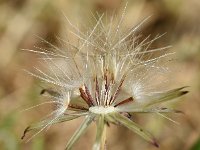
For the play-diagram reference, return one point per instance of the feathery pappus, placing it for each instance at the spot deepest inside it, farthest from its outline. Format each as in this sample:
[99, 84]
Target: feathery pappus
[106, 77]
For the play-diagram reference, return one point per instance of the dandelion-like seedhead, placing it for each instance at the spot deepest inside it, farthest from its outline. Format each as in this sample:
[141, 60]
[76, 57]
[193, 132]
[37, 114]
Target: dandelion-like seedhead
[106, 78]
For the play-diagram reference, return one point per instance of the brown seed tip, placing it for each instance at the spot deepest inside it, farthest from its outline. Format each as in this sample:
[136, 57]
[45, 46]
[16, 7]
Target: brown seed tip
[179, 111]
[42, 91]
[155, 143]
[25, 131]
[184, 92]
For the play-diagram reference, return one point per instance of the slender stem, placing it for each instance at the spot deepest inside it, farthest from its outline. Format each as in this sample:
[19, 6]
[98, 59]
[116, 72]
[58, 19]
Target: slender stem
[103, 140]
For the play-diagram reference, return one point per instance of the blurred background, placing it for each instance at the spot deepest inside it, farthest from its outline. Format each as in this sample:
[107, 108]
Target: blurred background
[21, 20]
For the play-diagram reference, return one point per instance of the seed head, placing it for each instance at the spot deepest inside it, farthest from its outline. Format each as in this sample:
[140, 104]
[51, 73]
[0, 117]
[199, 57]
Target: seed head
[106, 77]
